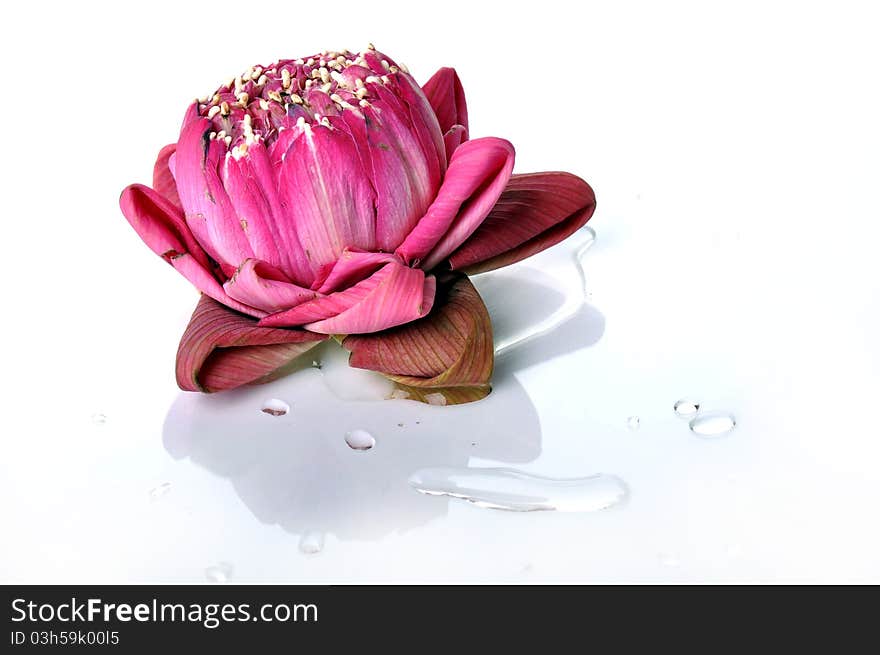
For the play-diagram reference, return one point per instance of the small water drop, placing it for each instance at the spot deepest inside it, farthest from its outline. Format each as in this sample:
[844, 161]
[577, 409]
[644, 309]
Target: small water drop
[316, 364]
[275, 407]
[311, 542]
[360, 439]
[399, 394]
[99, 418]
[219, 573]
[158, 492]
[435, 398]
[633, 422]
[686, 408]
[508, 489]
[712, 424]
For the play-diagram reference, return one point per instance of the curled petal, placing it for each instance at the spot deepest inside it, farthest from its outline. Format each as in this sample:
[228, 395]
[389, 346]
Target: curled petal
[393, 295]
[446, 95]
[351, 267]
[161, 226]
[446, 356]
[163, 175]
[536, 211]
[477, 174]
[259, 285]
[159, 223]
[221, 349]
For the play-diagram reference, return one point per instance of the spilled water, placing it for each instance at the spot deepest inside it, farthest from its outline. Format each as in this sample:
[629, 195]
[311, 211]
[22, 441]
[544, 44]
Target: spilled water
[712, 424]
[554, 300]
[501, 488]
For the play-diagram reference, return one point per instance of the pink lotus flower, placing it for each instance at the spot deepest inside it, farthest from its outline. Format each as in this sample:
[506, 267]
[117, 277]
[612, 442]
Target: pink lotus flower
[334, 196]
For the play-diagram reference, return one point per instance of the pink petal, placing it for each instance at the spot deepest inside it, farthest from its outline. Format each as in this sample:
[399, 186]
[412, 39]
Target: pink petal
[209, 213]
[423, 118]
[192, 114]
[257, 284]
[159, 223]
[454, 137]
[351, 267]
[161, 226]
[393, 295]
[202, 280]
[221, 349]
[251, 183]
[477, 174]
[536, 211]
[404, 180]
[163, 178]
[446, 95]
[328, 195]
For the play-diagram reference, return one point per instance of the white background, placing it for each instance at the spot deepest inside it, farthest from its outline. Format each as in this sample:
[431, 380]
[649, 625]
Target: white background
[733, 148]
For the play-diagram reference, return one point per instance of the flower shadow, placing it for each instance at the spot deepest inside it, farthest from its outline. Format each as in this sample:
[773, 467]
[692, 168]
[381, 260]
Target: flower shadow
[298, 472]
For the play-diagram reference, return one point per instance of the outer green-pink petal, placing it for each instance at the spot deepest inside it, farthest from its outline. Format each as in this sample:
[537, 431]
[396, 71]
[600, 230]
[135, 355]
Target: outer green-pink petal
[447, 356]
[222, 349]
[536, 211]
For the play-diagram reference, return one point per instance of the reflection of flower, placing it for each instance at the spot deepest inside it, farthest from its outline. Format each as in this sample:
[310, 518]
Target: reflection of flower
[297, 472]
[333, 195]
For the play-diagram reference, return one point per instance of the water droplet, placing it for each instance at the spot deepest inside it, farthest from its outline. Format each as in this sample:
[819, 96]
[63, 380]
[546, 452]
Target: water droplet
[158, 492]
[686, 408]
[360, 439]
[316, 364]
[311, 542]
[499, 488]
[399, 394]
[633, 422]
[99, 419]
[712, 424]
[219, 573]
[435, 398]
[275, 407]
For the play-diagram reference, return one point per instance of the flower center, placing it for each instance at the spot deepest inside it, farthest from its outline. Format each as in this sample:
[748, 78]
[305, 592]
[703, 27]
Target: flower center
[262, 102]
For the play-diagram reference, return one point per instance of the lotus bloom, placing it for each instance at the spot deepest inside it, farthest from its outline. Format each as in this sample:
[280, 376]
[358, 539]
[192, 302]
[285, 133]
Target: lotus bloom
[334, 196]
